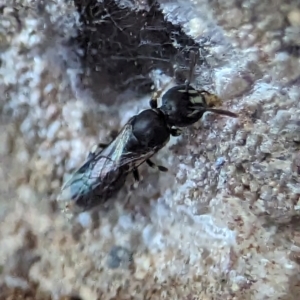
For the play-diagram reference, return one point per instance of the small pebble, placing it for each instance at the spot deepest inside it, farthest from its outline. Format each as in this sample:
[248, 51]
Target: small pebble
[220, 162]
[294, 17]
[119, 256]
[85, 219]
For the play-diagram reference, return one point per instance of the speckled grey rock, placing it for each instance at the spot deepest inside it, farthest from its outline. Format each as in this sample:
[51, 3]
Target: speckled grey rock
[221, 223]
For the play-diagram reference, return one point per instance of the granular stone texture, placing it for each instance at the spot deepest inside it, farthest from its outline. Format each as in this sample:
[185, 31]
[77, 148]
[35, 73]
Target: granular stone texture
[223, 223]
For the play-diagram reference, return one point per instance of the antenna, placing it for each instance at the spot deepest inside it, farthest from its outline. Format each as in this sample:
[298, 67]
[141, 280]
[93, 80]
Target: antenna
[215, 110]
[193, 62]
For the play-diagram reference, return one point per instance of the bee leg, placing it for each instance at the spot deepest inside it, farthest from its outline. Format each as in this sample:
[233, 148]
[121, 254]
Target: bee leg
[136, 177]
[93, 151]
[156, 95]
[153, 101]
[176, 131]
[193, 62]
[127, 199]
[132, 187]
[113, 134]
[153, 165]
[102, 145]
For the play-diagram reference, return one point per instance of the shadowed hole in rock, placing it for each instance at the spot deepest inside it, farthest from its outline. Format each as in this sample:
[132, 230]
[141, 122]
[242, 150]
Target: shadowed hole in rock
[123, 42]
[119, 256]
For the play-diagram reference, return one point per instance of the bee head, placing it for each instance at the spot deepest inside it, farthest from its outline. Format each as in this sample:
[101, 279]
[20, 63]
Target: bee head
[183, 106]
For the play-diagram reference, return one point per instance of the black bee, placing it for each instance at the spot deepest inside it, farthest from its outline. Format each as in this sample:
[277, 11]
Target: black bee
[106, 169]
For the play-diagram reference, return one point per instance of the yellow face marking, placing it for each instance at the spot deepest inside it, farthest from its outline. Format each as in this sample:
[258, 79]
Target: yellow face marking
[193, 92]
[212, 100]
[182, 91]
[197, 99]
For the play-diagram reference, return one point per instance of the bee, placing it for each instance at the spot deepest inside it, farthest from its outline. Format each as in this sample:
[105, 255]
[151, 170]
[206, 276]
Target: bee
[106, 169]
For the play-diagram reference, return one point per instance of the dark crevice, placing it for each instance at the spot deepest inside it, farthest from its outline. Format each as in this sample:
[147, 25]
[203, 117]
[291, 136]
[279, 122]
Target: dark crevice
[122, 45]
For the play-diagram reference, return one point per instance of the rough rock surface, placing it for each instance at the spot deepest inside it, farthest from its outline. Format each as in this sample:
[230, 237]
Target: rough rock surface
[222, 224]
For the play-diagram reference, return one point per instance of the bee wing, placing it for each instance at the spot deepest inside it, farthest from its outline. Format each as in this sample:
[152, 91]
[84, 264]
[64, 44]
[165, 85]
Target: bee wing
[115, 149]
[136, 158]
[88, 176]
[117, 154]
[101, 166]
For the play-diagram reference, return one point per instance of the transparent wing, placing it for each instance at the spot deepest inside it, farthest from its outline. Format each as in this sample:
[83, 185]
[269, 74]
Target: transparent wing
[103, 164]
